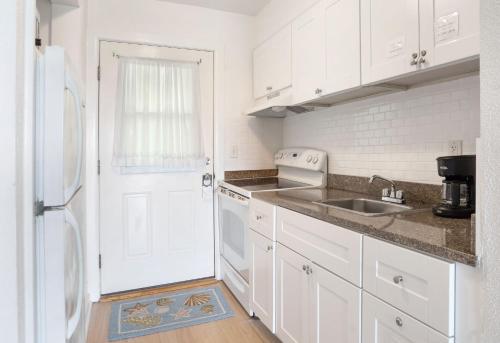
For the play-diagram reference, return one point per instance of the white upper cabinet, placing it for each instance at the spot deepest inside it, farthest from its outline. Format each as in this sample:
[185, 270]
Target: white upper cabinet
[272, 63]
[326, 49]
[449, 30]
[308, 54]
[343, 50]
[389, 38]
[402, 36]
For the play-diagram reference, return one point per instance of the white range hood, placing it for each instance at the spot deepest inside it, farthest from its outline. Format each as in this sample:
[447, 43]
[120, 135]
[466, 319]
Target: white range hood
[278, 107]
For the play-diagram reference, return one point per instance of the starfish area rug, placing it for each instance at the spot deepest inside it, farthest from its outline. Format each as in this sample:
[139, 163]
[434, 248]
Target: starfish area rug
[167, 311]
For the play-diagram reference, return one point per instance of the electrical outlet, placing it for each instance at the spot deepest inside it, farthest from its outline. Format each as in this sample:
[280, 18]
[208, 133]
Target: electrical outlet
[455, 147]
[234, 151]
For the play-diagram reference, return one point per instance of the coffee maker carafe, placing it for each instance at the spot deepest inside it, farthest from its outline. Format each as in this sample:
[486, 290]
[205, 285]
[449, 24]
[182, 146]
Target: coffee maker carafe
[459, 188]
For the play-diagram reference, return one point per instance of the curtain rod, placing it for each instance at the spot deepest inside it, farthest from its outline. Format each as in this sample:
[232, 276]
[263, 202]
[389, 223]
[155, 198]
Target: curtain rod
[115, 55]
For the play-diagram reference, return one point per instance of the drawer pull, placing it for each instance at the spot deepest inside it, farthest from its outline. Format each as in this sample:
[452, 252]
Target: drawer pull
[259, 217]
[269, 247]
[399, 321]
[398, 279]
[304, 267]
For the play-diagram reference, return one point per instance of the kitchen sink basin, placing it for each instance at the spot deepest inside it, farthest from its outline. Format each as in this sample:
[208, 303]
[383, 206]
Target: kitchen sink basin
[366, 207]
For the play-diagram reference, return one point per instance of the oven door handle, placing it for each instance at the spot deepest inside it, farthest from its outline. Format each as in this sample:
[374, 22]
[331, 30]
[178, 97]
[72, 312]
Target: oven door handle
[226, 193]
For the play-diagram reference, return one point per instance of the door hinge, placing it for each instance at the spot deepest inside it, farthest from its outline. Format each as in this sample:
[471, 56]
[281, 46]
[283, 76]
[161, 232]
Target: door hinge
[100, 261]
[98, 73]
[98, 167]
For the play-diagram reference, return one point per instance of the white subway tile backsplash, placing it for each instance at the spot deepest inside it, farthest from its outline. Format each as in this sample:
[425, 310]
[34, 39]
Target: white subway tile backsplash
[397, 135]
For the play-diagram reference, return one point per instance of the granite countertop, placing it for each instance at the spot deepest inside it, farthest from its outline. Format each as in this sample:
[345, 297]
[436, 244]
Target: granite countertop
[418, 229]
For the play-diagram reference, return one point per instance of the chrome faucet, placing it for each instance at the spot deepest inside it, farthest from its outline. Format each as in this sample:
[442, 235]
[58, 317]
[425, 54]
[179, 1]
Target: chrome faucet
[393, 195]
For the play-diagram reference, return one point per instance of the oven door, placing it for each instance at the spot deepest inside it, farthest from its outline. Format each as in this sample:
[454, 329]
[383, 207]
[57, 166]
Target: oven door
[233, 223]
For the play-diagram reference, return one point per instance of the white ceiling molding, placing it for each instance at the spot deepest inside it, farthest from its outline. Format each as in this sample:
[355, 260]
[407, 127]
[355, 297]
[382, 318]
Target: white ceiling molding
[73, 3]
[247, 7]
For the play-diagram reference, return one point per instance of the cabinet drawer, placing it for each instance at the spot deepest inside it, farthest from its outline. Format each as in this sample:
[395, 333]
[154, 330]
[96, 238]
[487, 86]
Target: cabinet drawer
[335, 249]
[419, 285]
[383, 323]
[262, 218]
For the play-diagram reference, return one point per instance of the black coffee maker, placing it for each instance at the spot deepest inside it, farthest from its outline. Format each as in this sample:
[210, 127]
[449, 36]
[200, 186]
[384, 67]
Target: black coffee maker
[458, 198]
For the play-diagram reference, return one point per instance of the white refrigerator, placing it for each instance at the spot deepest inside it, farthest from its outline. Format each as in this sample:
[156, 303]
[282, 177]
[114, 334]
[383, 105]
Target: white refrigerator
[59, 204]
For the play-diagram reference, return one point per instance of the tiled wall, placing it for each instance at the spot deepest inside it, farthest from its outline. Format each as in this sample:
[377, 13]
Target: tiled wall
[397, 135]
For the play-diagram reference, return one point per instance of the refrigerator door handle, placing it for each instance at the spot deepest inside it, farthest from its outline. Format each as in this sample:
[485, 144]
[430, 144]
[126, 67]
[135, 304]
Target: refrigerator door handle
[72, 88]
[75, 317]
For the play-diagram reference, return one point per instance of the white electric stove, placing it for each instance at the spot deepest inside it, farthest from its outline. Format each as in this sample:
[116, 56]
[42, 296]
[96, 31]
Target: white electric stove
[298, 168]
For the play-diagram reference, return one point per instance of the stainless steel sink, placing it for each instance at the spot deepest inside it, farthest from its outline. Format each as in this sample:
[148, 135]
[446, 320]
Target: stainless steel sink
[366, 207]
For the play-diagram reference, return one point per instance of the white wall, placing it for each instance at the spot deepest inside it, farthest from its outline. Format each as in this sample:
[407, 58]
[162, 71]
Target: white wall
[8, 244]
[490, 169]
[16, 171]
[68, 28]
[397, 135]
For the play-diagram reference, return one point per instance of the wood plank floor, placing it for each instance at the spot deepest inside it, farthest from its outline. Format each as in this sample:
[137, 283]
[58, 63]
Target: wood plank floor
[240, 328]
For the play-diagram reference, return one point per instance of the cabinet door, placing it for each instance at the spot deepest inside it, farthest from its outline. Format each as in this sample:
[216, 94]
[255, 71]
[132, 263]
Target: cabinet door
[336, 309]
[449, 30]
[308, 54]
[385, 324]
[343, 51]
[262, 279]
[389, 37]
[272, 62]
[292, 296]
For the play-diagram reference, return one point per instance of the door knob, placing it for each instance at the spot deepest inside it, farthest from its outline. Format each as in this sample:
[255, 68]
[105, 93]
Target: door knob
[206, 180]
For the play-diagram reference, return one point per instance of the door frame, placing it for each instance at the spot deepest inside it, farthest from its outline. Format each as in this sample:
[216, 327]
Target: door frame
[92, 156]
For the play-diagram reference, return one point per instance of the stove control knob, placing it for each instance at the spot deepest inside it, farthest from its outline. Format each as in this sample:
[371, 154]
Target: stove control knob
[309, 159]
[315, 160]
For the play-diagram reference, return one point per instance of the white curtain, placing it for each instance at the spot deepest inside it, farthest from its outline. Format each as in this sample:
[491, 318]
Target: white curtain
[158, 119]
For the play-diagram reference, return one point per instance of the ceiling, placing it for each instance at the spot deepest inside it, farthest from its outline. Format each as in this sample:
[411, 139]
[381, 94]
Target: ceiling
[248, 7]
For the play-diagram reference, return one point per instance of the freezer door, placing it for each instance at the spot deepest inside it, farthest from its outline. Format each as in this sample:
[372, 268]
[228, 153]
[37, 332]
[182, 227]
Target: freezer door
[59, 130]
[59, 276]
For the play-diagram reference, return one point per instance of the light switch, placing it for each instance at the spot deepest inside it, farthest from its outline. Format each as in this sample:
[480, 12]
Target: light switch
[234, 151]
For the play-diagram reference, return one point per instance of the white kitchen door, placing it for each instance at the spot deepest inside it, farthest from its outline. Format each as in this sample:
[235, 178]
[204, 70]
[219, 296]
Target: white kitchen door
[156, 226]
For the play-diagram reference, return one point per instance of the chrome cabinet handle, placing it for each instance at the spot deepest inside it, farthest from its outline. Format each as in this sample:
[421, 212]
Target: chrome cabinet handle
[269, 247]
[397, 279]
[399, 321]
[422, 58]
[259, 217]
[414, 57]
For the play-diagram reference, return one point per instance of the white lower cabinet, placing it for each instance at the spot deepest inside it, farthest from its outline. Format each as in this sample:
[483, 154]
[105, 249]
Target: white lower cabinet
[336, 309]
[292, 298]
[383, 323]
[262, 279]
[314, 305]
